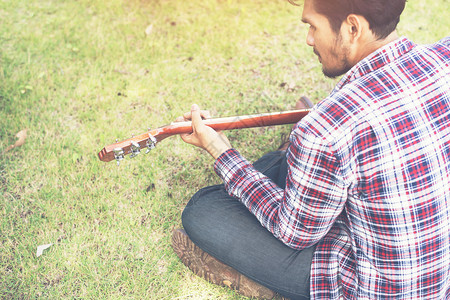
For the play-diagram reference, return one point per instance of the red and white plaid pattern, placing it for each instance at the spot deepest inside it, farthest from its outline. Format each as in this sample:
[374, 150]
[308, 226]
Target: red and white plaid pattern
[368, 179]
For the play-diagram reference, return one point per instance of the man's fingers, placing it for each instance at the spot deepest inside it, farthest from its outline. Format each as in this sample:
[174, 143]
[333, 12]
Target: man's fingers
[187, 115]
[203, 136]
[196, 117]
[205, 114]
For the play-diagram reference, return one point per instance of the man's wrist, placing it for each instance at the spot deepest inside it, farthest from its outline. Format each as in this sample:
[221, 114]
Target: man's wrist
[217, 150]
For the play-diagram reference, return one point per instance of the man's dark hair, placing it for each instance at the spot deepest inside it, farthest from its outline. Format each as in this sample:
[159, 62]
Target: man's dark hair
[382, 15]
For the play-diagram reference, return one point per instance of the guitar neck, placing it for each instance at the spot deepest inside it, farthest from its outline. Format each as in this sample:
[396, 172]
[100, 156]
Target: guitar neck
[150, 138]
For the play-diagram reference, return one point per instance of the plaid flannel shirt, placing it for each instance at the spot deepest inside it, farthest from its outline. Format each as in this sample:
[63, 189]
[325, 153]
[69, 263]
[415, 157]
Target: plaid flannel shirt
[368, 179]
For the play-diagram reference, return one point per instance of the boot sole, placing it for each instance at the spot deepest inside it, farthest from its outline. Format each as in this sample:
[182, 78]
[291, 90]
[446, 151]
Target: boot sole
[209, 268]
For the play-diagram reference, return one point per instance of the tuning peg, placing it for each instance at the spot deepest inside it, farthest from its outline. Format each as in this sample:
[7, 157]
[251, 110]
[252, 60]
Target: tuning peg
[118, 155]
[135, 149]
[151, 143]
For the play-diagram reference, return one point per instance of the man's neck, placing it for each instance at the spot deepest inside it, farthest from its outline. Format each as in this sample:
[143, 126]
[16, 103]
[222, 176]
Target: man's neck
[372, 45]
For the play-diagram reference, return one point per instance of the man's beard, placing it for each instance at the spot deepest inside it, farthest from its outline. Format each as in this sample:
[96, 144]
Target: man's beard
[340, 56]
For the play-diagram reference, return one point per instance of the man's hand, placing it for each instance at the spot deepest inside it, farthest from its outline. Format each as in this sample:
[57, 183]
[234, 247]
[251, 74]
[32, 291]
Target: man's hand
[215, 142]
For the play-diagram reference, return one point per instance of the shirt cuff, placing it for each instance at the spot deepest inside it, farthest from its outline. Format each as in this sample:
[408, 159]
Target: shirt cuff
[229, 163]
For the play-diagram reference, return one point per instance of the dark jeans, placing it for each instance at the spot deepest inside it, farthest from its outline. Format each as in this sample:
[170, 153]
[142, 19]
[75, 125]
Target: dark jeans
[220, 225]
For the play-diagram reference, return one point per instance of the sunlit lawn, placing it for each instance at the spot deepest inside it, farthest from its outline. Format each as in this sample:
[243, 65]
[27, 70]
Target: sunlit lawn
[79, 74]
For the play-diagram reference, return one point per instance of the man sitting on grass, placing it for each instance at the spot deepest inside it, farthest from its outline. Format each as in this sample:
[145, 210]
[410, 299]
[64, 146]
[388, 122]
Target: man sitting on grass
[357, 207]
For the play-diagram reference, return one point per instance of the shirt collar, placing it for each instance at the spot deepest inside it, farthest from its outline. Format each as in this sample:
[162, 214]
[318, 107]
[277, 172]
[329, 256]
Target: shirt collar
[376, 60]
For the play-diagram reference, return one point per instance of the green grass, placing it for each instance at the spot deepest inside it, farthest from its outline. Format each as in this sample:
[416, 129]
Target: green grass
[79, 74]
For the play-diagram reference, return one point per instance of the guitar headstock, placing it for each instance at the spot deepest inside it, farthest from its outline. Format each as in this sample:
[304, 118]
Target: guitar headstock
[147, 140]
[131, 146]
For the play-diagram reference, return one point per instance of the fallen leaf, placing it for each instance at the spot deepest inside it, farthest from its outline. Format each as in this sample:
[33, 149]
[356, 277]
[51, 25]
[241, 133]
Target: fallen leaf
[41, 248]
[149, 29]
[21, 135]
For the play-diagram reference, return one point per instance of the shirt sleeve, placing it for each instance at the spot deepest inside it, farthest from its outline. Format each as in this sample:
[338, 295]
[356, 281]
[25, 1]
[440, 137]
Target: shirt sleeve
[302, 213]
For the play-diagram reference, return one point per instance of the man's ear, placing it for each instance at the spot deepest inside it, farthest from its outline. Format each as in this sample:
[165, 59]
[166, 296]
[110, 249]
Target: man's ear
[355, 26]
